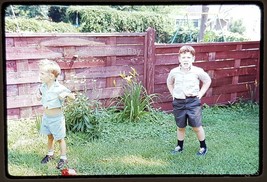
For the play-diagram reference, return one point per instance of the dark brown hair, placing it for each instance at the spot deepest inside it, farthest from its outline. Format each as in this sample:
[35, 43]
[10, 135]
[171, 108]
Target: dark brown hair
[187, 48]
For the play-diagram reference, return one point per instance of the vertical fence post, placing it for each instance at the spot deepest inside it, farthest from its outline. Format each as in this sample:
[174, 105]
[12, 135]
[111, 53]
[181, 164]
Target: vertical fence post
[257, 81]
[150, 63]
[236, 78]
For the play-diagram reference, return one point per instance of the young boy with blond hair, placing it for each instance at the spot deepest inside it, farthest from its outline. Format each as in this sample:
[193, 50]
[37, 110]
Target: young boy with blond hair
[183, 83]
[52, 94]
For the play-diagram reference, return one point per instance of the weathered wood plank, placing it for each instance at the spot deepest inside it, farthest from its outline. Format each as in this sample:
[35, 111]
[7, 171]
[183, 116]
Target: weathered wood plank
[69, 41]
[234, 72]
[233, 88]
[111, 50]
[237, 54]
[20, 101]
[18, 53]
[109, 71]
[105, 93]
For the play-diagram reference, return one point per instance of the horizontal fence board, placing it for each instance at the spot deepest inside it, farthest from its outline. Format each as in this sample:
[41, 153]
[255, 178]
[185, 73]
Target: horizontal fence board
[105, 93]
[127, 60]
[247, 78]
[18, 53]
[249, 62]
[11, 66]
[22, 77]
[9, 42]
[13, 113]
[12, 90]
[233, 88]
[108, 71]
[166, 59]
[221, 81]
[111, 50]
[25, 77]
[20, 101]
[234, 72]
[82, 63]
[70, 41]
[237, 54]
[140, 40]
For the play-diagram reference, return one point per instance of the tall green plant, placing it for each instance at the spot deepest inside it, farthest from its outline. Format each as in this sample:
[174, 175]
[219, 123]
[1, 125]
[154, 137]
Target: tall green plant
[135, 100]
[82, 114]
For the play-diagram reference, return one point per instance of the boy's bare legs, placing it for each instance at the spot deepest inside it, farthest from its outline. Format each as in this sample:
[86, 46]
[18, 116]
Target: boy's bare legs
[200, 133]
[50, 147]
[50, 142]
[63, 151]
[180, 140]
[201, 137]
[63, 147]
[180, 133]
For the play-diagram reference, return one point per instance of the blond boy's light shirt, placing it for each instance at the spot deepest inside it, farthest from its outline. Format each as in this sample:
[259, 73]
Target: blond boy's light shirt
[50, 96]
[186, 84]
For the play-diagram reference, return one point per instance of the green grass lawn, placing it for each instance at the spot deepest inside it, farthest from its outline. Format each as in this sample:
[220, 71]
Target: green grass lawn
[143, 148]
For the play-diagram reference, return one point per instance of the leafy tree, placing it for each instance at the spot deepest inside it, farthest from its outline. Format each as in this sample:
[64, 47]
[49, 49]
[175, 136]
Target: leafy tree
[58, 13]
[29, 11]
[237, 27]
[106, 19]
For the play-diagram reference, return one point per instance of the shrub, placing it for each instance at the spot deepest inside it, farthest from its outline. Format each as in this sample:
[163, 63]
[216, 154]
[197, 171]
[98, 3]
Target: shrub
[82, 114]
[34, 25]
[105, 19]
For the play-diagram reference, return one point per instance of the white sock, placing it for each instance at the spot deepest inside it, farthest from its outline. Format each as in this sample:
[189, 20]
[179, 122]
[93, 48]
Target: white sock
[50, 152]
[64, 157]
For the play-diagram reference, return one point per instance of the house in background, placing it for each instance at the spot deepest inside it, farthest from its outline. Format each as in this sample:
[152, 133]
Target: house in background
[191, 16]
[221, 16]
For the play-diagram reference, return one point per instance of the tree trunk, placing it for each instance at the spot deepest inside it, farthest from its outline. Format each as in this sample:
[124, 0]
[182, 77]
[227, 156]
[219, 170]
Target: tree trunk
[204, 18]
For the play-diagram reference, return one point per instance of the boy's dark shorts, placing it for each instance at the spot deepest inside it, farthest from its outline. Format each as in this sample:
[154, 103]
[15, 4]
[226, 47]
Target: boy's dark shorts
[188, 109]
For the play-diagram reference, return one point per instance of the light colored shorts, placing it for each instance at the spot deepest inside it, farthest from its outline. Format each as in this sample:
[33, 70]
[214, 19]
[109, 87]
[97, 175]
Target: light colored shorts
[54, 125]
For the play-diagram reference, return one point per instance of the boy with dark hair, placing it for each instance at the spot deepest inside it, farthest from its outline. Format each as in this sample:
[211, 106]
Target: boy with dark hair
[183, 83]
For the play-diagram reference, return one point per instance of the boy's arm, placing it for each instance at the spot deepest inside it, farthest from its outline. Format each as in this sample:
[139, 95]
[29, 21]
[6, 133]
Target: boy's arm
[63, 95]
[170, 84]
[205, 86]
[170, 87]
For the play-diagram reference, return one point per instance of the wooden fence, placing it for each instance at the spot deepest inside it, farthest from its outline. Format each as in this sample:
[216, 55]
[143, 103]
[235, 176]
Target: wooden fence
[233, 67]
[98, 60]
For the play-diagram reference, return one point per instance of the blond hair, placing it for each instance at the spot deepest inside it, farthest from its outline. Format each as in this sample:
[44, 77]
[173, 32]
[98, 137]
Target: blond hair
[50, 66]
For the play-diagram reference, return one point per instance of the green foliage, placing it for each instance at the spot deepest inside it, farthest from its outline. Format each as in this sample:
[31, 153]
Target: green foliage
[226, 36]
[38, 121]
[27, 11]
[58, 13]
[34, 25]
[105, 19]
[143, 148]
[135, 100]
[185, 35]
[237, 27]
[83, 115]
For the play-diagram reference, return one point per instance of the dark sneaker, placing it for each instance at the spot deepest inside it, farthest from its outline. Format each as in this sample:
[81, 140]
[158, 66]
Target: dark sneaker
[61, 163]
[202, 151]
[177, 149]
[47, 158]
